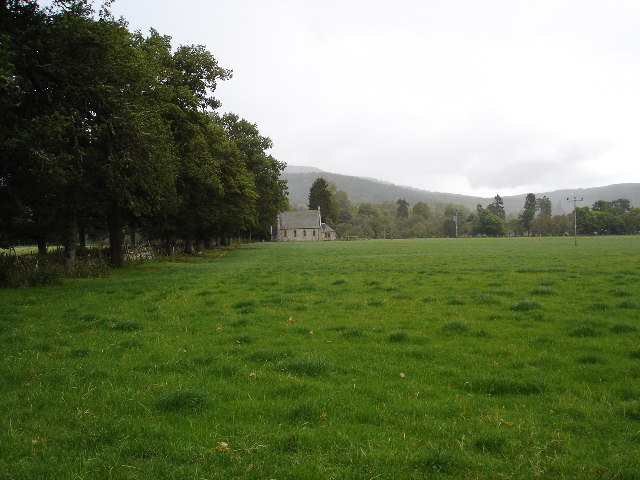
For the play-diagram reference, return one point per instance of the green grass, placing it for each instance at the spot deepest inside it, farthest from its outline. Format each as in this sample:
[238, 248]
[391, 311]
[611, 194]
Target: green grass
[468, 358]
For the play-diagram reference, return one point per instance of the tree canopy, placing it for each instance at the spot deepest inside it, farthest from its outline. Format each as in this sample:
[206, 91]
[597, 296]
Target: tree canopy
[103, 129]
[321, 195]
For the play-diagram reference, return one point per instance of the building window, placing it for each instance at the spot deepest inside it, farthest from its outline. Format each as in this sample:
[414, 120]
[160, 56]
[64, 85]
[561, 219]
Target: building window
[304, 233]
[295, 233]
[314, 233]
[284, 233]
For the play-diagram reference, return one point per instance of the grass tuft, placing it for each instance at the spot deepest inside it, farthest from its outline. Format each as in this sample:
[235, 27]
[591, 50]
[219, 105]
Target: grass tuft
[488, 299]
[630, 410]
[620, 293]
[123, 325]
[622, 328]
[455, 301]
[598, 306]
[590, 360]
[130, 343]
[490, 444]
[310, 366]
[507, 386]
[270, 355]
[525, 305]
[349, 334]
[584, 330]
[542, 290]
[181, 401]
[455, 327]
[397, 336]
[438, 461]
[249, 303]
[629, 303]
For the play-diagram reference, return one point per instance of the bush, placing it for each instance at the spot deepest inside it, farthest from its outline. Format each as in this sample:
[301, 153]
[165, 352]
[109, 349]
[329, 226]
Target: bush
[87, 268]
[33, 270]
[27, 271]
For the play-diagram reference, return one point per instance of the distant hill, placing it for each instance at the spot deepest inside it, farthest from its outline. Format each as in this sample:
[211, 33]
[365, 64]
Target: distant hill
[361, 190]
[297, 169]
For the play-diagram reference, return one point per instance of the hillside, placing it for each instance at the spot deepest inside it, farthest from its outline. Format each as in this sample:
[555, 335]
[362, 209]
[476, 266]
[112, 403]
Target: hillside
[361, 190]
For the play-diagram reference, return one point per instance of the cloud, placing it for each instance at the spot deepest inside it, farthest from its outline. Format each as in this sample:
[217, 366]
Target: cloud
[463, 96]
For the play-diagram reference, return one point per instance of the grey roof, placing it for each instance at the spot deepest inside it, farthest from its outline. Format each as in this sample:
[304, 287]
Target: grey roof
[300, 219]
[326, 228]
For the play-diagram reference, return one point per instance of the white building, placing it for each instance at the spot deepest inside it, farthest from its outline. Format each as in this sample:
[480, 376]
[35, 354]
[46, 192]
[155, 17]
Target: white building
[302, 226]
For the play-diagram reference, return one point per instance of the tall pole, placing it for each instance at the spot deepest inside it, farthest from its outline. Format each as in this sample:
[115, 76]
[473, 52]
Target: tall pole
[455, 219]
[575, 219]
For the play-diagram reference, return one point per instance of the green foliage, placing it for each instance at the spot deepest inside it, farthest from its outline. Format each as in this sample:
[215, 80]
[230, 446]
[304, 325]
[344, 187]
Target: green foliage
[543, 206]
[490, 224]
[529, 212]
[423, 210]
[497, 207]
[104, 129]
[403, 209]
[321, 195]
[28, 271]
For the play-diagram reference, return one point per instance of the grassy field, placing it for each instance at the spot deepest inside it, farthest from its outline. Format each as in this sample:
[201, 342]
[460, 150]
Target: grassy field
[469, 358]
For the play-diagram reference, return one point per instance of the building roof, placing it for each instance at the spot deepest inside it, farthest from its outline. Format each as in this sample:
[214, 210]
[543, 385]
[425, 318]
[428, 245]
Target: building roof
[300, 219]
[326, 228]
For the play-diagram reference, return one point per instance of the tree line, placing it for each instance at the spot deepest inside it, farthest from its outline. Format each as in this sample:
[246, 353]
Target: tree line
[104, 131]
[401, 220]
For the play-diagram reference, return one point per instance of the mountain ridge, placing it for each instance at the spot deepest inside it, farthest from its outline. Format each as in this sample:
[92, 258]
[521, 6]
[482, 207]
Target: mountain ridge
[369, 190]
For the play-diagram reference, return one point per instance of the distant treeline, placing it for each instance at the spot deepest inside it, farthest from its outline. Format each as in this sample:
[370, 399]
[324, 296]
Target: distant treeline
[401, 220]
[104, 131]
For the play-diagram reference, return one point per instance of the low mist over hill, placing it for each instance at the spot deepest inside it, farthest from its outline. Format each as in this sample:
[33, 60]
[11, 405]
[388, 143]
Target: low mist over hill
[361, 190]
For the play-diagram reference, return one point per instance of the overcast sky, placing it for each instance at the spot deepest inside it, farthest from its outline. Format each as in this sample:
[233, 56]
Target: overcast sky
[465, 96]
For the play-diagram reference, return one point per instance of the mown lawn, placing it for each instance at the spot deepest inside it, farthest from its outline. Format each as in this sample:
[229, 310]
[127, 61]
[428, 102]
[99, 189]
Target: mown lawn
[468, 358]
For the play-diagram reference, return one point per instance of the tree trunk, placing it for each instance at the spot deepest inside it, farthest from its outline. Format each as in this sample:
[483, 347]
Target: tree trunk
[199, 243]
[168, 245]
[132, 236]
[82, 235]
[69, 241]
[116, 250]
[42, 245]
[188, 244]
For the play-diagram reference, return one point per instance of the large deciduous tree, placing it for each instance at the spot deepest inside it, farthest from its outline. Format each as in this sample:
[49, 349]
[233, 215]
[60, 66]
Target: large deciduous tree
[102, 126]
[264, 169]
[489, 224]
[423, 210]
